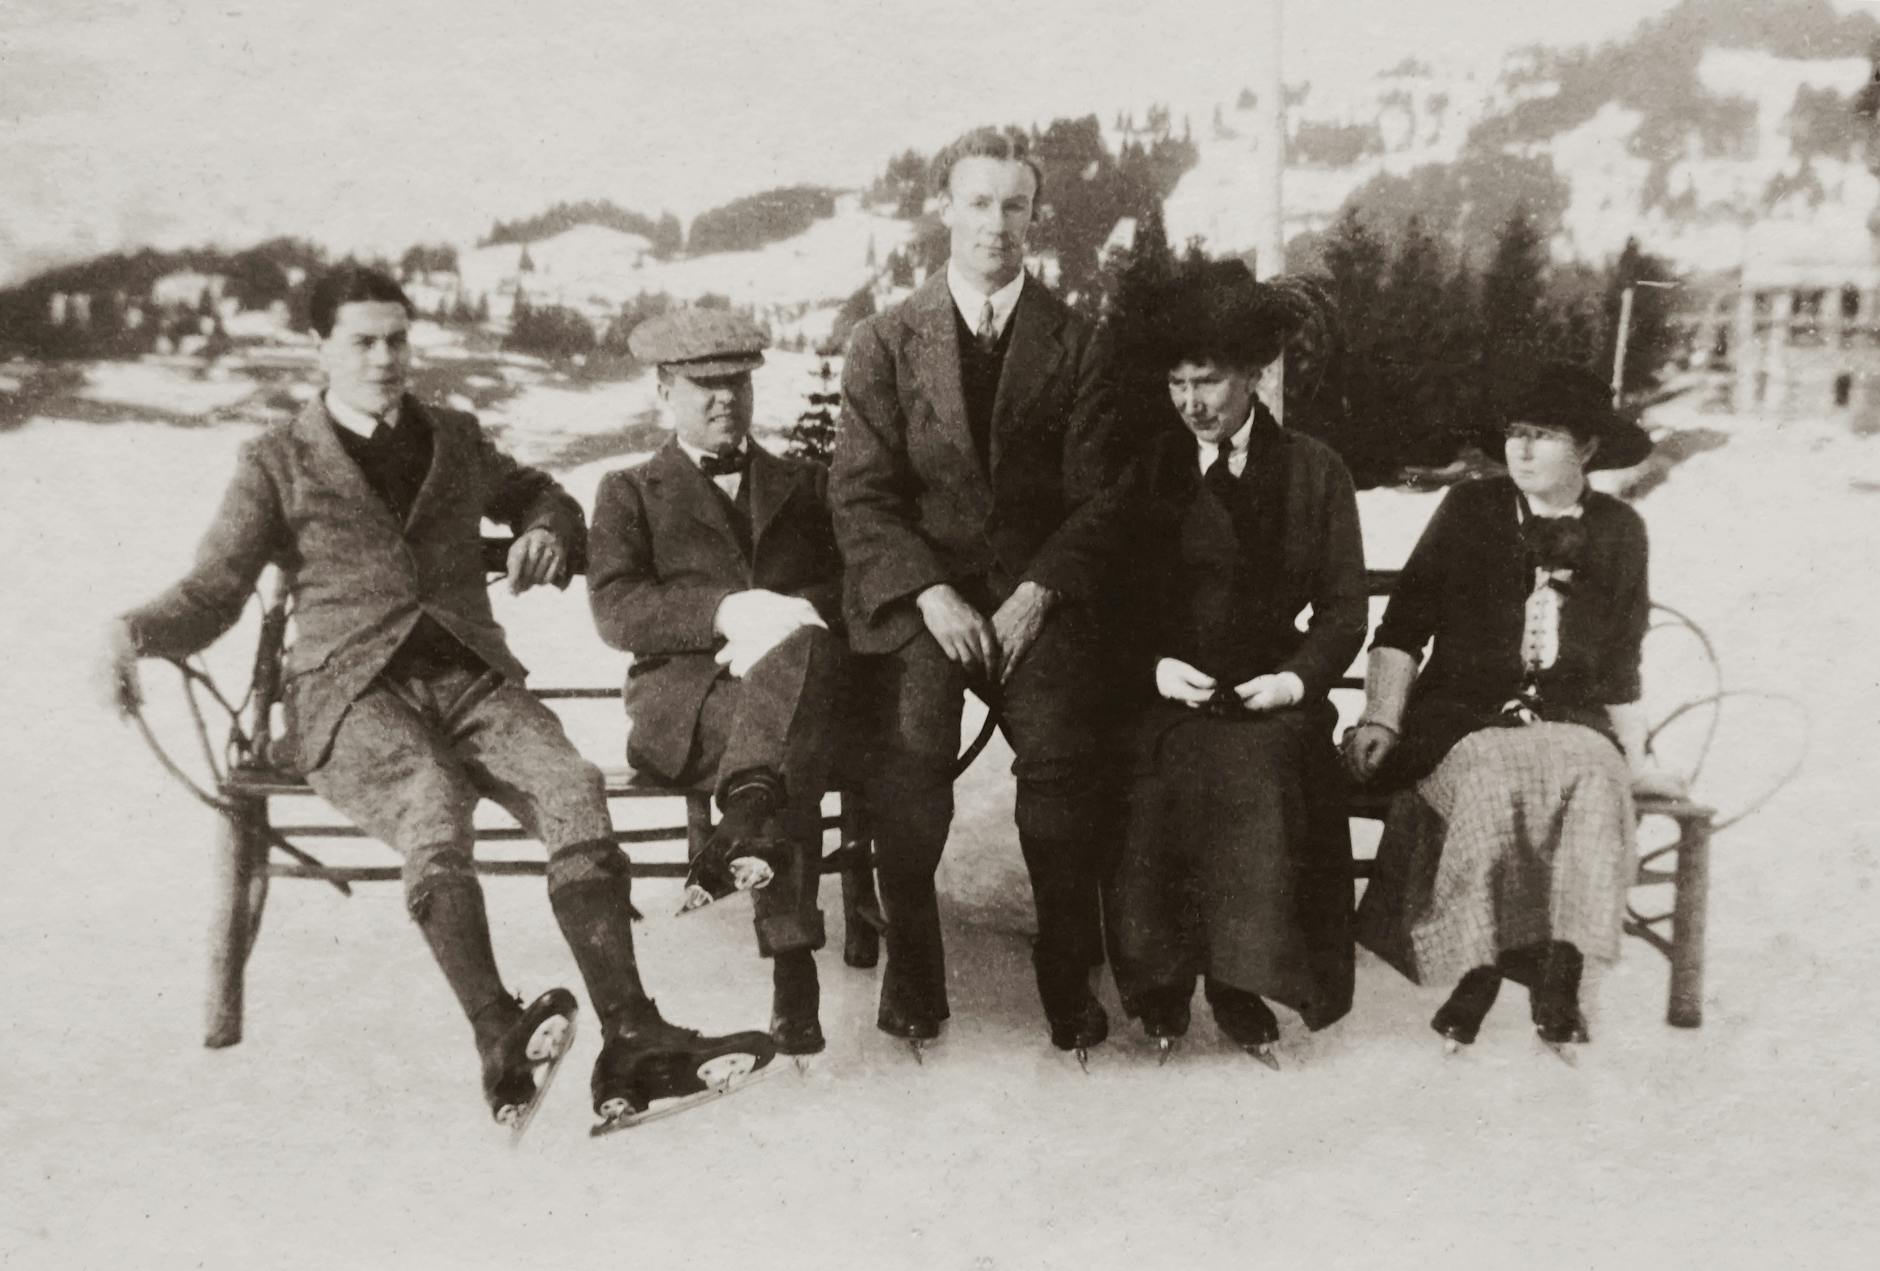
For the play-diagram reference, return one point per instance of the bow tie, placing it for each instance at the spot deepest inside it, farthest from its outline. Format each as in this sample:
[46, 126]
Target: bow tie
[724, 465]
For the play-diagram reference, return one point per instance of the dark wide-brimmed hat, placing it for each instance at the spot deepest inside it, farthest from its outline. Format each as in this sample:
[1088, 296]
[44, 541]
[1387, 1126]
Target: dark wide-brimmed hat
[1218, 312]
[1565, 395]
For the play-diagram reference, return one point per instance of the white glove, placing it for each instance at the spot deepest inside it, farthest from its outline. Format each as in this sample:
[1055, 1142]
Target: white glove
[1271, 692]
[1179, 682]
[757, 621]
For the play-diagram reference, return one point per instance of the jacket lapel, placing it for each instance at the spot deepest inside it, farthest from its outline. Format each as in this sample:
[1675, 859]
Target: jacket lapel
[773, 482]
[1030, 361]
[675, 481]
[937, 372]
[444, 458]
[329, 464]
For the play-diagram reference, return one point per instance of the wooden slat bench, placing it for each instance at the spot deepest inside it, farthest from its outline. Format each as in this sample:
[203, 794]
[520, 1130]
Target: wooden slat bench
[247, 858]
[1677, 932]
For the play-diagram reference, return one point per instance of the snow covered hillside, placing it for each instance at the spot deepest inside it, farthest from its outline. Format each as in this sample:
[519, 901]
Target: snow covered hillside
[346, 1130]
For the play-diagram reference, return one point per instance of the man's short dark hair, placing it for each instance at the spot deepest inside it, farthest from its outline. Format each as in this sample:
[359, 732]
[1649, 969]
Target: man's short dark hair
[349, 284]
[987, 143]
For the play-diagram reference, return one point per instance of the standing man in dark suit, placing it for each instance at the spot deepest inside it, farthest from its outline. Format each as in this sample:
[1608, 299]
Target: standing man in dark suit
[714, 565]
[403, 702]
[974, 505]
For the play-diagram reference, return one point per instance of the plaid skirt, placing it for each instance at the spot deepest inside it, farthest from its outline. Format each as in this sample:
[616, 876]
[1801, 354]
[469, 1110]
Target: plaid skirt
[1519, 836]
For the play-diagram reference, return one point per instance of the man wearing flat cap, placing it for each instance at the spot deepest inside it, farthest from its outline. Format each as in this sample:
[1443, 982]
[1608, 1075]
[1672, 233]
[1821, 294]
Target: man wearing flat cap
[1236, 868]
[974, 502]
[713, 563]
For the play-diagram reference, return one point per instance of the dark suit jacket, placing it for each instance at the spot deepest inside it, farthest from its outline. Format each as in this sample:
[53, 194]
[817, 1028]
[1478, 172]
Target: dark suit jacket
[663, 555]
[359, 578]
[912, 503]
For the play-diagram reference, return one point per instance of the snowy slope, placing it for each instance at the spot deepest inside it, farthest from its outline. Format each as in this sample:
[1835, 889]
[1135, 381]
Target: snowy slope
[345, 1131]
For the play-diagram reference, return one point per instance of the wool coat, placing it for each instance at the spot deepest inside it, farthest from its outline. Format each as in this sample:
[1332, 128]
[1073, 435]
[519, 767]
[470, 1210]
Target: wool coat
[665, 553]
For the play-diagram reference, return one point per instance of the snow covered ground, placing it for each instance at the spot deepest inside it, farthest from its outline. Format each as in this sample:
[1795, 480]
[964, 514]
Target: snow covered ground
[346, 1130]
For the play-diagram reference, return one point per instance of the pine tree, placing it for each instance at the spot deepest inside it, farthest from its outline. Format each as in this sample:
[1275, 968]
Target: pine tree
[1512, 289]
[813, 435]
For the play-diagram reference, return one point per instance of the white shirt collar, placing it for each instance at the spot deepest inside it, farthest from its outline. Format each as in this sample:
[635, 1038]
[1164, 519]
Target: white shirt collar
[970, 301]
[726, 481]
[1235, 445]
[698, 456]
[353, 421]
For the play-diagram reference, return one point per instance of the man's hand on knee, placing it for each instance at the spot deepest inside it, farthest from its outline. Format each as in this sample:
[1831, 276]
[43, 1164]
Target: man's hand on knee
[960, 630]
[1017, 623]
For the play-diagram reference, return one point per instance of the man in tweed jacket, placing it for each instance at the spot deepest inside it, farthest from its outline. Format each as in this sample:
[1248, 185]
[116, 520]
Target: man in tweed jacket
[402, 701]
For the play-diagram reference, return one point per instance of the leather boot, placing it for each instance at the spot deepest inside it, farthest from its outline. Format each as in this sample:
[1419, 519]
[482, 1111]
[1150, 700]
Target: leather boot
[596, 919]
[794, 1002]
[1460, 1018]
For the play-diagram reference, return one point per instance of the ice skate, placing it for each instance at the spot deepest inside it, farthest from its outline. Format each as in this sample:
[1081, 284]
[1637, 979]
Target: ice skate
[795, 1001]
[1459, 1019]
[1554, 1002]
[1089, 1027]
[1165, 1014]
[652, 1069]
[1247, 1021]
[522, 1054]
[917, 1029]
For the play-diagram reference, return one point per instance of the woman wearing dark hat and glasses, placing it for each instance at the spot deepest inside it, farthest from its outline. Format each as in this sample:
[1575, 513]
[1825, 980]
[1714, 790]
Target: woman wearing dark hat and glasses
[1521, 738]
[1237, 861]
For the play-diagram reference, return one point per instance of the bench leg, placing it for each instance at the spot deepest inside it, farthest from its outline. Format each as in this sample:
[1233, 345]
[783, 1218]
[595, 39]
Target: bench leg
[240, 888]
[1686, 1006]
[862, 922]
[698, 824]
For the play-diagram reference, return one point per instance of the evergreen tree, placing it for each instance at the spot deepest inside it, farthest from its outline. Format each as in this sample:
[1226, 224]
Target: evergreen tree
[1512, 290]
[813, 435]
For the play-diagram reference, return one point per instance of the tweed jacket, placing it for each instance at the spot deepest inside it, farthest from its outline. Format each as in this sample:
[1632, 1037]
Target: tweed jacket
[913, 504]
[664, 554]
[359, 579]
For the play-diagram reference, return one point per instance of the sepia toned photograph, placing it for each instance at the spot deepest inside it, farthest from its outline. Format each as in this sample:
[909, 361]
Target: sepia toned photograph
[989, 636]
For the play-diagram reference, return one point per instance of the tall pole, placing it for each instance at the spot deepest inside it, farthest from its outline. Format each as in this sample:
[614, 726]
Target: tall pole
[1618, 353]
[1270, 243]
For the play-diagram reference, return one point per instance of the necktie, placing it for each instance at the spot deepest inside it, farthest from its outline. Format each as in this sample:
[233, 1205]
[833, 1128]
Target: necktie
[986, 335]
[723, 465]
[1219, 477]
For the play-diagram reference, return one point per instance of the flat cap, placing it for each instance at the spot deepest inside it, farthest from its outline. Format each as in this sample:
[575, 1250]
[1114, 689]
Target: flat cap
[700, 342]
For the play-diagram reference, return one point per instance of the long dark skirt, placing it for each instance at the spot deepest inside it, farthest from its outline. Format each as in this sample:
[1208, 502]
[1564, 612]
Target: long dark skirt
[1236, 862]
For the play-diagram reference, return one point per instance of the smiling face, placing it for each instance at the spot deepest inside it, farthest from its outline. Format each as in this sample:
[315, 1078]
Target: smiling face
[1547, 460]
[711, 412]
[367, 357]
[1213, 400]
[987, 208]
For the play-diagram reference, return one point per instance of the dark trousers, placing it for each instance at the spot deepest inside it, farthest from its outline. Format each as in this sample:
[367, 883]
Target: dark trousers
[1054, 713]
[782, 717]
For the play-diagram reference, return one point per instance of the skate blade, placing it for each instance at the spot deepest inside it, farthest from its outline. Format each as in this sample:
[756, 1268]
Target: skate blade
[728, 1079]
[1165, 1050]
[917, 1046]
[1083, 1059]
[550, 1044]
[1563, 1051]
[1451, 1047]
[1265, 1054]
[685, 1102]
